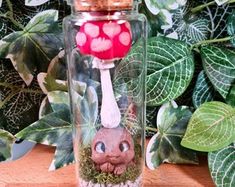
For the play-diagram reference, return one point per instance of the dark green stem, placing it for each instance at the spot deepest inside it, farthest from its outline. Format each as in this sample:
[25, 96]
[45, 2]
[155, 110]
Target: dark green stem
[20, 89]
[9, 15]
[206, 42]
[151, 129]
[201, 7]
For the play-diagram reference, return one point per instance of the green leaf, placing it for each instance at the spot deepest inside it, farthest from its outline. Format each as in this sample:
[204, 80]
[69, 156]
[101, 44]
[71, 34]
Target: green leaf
[86, 111]
[219, 65]
[151, 115]
[48, 83]
[211, 127]
[231, 97]
[221, 2]
[155, 6]
[35, 2]
[191, 30]
[163, 10]
[203, 91]
[45, 108]
[170, 69]
[222, 166]
[58, 100]
[19, 103]
[53, 129]
[33, 48]
[6, 142]
[58, 67]
[231, 27]
[153, 158]
[165, 145]
[128, 76]
[48, 129]
[64, 154]
[217, 17]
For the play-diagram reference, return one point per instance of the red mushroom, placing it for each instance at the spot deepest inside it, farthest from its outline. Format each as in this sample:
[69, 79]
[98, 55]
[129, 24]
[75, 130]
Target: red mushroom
[107, 41]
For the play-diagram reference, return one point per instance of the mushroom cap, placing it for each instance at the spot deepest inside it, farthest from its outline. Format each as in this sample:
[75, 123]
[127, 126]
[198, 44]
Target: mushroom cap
[106, 40]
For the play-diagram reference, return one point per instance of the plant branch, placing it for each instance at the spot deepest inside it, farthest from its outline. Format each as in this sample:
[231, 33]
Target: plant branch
[205, 42]
[8, 98]
[201, 7]
[25, 90]
[9, 4]
[151, 129]
[9, 15]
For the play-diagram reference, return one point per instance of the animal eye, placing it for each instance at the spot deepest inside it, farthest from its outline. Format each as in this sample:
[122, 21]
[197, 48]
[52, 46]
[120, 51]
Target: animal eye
[100, 147]
[124, 146]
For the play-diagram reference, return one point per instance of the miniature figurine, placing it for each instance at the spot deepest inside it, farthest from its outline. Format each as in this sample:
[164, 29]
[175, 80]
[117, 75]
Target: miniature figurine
[113, 150]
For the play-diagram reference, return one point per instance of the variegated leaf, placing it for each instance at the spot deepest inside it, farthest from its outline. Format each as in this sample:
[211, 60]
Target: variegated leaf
[19, 103]
[6, 142]
[170, 69]
[165, 145]
[41, 38]
[190, 30]
[163, 10]
[219, 66]
[217, 17]
[203, 91]
[221, 2]
[231, 97]
[64, 154]
[35, 2]
[48, 129]
[211, 127]
[231, 27]
[193, 31]
[222, 166]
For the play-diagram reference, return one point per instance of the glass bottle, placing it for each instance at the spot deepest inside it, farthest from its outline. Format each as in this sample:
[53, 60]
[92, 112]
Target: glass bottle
[105, 45]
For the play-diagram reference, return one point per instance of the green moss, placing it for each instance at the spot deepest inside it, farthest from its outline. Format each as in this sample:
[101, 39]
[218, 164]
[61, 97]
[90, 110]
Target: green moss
[88, 170]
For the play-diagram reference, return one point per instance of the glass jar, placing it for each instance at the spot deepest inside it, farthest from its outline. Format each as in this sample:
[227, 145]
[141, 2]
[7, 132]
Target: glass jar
[105, 45]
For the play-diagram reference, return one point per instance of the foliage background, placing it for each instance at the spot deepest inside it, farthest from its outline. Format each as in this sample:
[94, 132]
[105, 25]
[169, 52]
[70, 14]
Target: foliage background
[190, 81]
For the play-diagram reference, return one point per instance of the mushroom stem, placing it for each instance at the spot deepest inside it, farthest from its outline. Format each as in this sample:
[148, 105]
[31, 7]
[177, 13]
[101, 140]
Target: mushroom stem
[110, 113]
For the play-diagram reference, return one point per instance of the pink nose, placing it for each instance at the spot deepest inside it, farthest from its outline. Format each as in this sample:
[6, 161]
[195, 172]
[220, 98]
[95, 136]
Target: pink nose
[114, 155]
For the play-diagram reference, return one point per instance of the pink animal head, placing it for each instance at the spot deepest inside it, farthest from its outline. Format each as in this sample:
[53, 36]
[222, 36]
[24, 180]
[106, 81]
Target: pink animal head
[105, 40]
[113, 146]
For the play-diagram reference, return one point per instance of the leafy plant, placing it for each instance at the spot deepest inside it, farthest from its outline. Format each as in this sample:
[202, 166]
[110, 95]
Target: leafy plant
[221, 164]
[35, 38]
[19, 103]
[54, 129]
[165, 145]
[190, 52]
[211, 127]
[6, 142]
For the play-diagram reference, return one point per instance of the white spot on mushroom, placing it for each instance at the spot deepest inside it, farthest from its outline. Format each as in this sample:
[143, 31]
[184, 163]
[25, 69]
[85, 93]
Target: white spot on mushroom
[111, 29]
[81, 38]
[92, 30]
[128, 26]
[125, 38]
[100, 44]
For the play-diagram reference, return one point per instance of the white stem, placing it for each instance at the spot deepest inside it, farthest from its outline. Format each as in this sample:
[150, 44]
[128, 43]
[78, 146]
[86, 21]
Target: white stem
[110, 113]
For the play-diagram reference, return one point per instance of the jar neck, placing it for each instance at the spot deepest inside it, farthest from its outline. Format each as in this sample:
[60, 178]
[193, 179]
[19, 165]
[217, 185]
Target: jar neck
[77, 7]
[103, 13]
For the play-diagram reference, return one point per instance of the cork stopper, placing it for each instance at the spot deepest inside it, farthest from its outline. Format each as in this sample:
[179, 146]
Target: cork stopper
[102, 5]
